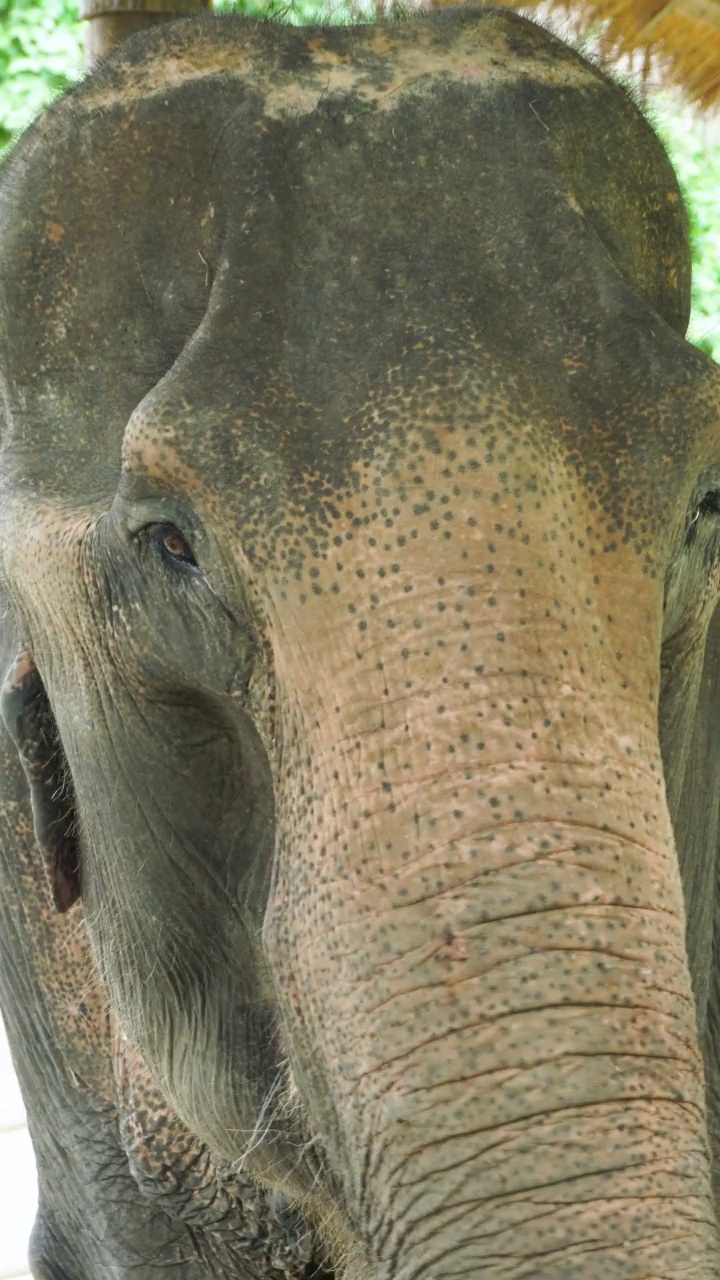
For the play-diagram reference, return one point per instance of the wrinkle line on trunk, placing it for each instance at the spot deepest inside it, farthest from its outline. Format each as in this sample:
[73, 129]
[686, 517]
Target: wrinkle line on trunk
[548, 1210]
[520, 1123]
[495, 1019]
[646, 909]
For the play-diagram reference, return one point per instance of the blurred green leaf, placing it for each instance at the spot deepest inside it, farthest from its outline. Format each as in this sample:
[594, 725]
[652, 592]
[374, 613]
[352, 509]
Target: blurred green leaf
[40, 56]
[694, 148]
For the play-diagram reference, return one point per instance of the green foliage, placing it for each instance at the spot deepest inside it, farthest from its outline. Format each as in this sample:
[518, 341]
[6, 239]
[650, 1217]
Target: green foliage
[694, 148]
[41, 54]
[300, 12]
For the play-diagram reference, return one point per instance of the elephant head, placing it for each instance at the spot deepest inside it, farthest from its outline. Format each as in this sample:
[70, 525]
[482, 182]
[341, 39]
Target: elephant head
[360, 543]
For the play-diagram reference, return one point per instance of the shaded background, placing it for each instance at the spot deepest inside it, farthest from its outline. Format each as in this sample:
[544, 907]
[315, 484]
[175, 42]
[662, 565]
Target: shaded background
[18, 1187]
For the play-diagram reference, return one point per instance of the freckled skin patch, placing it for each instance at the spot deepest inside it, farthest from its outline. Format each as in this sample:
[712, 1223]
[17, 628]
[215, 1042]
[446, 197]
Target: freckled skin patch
[359, 517]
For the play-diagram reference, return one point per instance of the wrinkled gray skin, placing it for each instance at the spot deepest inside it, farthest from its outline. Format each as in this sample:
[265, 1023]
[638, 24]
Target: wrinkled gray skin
[360, 554]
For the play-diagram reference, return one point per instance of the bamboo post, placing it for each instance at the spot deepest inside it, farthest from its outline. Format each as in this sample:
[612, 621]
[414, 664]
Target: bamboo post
[110, 21]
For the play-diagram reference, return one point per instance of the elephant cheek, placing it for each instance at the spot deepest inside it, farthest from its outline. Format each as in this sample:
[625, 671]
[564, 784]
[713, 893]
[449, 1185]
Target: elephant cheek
[30, 722]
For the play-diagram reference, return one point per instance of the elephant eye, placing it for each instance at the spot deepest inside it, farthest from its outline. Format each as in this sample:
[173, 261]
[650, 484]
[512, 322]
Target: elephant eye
[710, 505]
[174, 547]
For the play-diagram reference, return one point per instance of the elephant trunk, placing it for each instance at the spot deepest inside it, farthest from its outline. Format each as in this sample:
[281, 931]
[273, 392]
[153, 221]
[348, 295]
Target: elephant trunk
[541, 1110]
[542, 1113]
[482, 957]
[500, 991]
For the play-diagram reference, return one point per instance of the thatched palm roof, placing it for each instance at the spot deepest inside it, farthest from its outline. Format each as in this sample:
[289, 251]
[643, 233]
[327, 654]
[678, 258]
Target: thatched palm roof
[682, 35]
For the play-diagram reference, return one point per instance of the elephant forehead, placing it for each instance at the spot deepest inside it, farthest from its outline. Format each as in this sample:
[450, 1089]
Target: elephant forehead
[295, 69]
[272, 286]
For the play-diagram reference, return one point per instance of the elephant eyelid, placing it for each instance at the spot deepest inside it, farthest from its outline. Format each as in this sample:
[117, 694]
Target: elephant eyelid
[174, 546]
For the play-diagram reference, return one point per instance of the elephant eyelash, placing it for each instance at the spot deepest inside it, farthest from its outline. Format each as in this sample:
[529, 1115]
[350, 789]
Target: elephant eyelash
[710, 505]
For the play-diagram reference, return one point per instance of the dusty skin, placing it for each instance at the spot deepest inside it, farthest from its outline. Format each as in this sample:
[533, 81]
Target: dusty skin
[359, 562]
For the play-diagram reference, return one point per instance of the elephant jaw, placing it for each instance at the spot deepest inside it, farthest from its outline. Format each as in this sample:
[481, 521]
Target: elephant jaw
[188, 1180]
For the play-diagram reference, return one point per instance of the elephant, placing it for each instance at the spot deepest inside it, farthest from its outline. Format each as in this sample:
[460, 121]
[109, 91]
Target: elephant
[360, 564]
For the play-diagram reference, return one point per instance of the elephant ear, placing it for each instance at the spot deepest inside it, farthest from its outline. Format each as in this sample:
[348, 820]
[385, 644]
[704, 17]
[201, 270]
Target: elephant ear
[30, 722]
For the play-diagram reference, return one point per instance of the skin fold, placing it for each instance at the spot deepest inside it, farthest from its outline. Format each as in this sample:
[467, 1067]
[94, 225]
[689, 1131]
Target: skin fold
[360, 561]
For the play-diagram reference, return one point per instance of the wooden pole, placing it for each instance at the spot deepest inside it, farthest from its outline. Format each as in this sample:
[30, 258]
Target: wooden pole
[110, 21]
